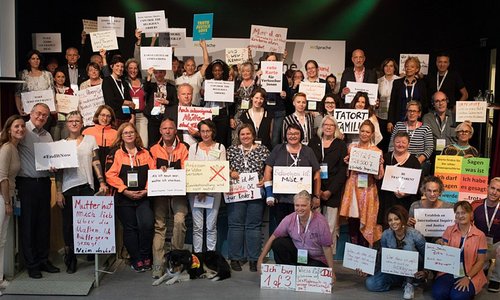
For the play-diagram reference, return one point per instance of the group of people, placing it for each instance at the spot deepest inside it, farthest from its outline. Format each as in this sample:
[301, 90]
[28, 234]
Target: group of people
[136, 131]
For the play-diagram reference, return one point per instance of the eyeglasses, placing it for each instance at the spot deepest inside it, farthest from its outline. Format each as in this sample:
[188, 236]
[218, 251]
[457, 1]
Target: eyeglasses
[463, 132]
[128, 133]
[41, 115]
[437, 101]
[205, 131]
[412, 111]
[105, 116]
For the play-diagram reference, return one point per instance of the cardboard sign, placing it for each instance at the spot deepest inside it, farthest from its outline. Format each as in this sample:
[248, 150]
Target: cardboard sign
[291, 180]
[268, 39]
[207, 176]
[236, 56]
[48, 42]
[314, 279]
[30, 99]
[151, 21]
[59, 155]
[219, 90]
[358, 257]
[399, 262]
[66, 103]
[423, 58]
[90, 99]
[203, 26]
[315, 91]
[272, 76]
[160, 58]
[350, 120]
[442, 258]
[103, 40]
[364, 161]
[432, 222]
[111, 23]
[93, 224]
[190, 116]
[473, 111]
[243, 189]
[169, 183]
[89, 25]
[173, 37]
[405, 180]
[370, 88]
[278, 277]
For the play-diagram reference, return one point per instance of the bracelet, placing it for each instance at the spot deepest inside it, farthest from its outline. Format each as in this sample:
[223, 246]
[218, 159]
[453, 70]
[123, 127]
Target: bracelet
[101, 179]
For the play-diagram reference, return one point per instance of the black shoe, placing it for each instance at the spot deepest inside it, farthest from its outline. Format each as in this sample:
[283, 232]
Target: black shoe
[49, 267]
[71, 267]
[494, 286]
[253, 266]
[235, 265]
[35, 273]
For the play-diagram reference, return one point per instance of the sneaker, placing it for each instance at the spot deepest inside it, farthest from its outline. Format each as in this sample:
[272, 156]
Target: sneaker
[4, 284]
[147, 265]
[235, 265]
[409, 292]
[494, 286]
[138, 267]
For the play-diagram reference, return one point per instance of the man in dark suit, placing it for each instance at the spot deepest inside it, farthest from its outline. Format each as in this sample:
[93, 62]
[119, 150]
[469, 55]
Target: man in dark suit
[74, 75]
[358, 73]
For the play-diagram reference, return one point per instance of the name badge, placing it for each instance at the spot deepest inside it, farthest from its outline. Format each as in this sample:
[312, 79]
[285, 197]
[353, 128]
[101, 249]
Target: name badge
[245, 104]
[258, 141]
[324, 171]
[489, 242]
[132, 179]
[302, 256]
[362, 180]
[126, 109]
[271, 102]
[440, 144]
[136, 102]
[155, 111]
[215, 153]
[215, 111]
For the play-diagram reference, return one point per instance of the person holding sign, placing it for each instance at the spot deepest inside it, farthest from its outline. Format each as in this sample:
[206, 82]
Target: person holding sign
[207, 150]
[127, 168]
[59, 131]
[357, 73]
[330, 151]
[77, 182]
[260, 118]
[300, 117]
[312, 71]
[301, 238]
[473, 248]
[360, 202]
[462, 147]
[245, 217]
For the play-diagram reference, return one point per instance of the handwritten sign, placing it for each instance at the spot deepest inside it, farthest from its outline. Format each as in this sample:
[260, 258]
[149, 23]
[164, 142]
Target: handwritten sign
[364, 161]
[151, 21]
[169, 183]
[203, 27]
[90, 99]
[268, 39]
[473, 111]
[423, 58]
[314, 279]
[207, 176]
[272, 76]
[111, 23]
[399, 262]
[94, 224]
[236, 56]
[190, 116]
[358, 257]
[432, 222]
[291, 180]
[59, 155]
[219, 90]
[370, 88]
[66, 103]
[313, 90]
[48, 42]
[30, 99]
[243, 189]
[278, 277]
[442, 258]
[159, 58]
[350, 120]
[324, 70]
[405, 180]
[89, 25]
[103, 40]
[173, 37]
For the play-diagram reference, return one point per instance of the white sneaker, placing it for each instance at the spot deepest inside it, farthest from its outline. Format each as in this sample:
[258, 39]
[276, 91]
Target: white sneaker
[4, 284]
[408, 291]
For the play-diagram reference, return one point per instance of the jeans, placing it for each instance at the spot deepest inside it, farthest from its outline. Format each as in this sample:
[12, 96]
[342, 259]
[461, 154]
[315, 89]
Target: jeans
[137, 222]
[332, 216]
[199, 222]
[279, 116]
[67, 211]
[245, 222]
[444, 288]
[382, 282]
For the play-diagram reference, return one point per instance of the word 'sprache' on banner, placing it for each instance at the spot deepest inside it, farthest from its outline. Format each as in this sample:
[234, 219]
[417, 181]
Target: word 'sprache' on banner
[364, 161]
[243, 189]
[350, 120]
[313, 279]
[359, 257]
[442, 258]
[207, 176]
[399, 262]
[169, 183]
[433, 222]
[190, 116]
[203, 27]
[291, 180]
[268, 39]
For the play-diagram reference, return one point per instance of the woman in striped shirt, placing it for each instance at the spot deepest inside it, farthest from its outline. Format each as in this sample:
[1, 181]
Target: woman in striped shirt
[300, 117]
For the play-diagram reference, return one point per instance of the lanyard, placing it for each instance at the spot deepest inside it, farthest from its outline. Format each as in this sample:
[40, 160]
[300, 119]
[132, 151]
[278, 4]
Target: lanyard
[245, 157]
[307, 227]
[133, 90]
[119, 86]
[131, 157]
[412, 89]
[323, 149]
[413, 131]
[438, 84]
[397, 164]
[465, 238]
[255, 121]
[304, 128]
[441, 127]
[295, 159]
[489, 222]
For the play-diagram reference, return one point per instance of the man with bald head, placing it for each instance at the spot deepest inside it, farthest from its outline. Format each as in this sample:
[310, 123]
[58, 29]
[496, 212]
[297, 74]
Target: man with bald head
[357, 73]
[441, 121]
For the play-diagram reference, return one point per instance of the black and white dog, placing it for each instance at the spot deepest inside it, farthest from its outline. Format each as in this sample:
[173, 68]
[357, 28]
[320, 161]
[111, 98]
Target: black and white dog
[182, 265]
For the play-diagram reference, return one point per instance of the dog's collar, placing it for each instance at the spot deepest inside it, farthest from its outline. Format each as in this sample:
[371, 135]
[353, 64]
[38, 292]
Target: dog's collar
[196, 262]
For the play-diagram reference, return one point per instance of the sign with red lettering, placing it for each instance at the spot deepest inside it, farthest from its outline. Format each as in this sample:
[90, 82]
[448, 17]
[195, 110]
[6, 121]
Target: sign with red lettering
[278, 277]
[272, 76]
[268, 39]
[190, 116]
[314, 279]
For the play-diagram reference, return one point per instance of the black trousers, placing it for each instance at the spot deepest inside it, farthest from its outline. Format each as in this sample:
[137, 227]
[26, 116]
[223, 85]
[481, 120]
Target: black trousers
[67, 211]
[285, 253]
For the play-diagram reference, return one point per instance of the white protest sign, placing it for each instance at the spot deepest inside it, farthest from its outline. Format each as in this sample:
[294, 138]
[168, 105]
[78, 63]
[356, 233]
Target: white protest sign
[207, 176]
[313, 90]
[90, 99]
[243, 189]
[473, 111]
[423, 58]
[272, 76]
[151, 21]
[291, 180]
[159, 58]
[350, 120]
[432, 222]
[236, 56]
[111, 23]
[442, 258]
[89, 25]
[370, 88]
[207, 202]
[48, 42]
[324, 70]
[399, 262]
[103, 40]
[278, 277]
[169, 183]
[29, 99]
[364, 161]
[359, 257]
[314, 279]
[173, 37]
[405, 180]
[190, 116]
[66, 103]
[268, 39]
[59, 155]
[219, 90]
[93, 224]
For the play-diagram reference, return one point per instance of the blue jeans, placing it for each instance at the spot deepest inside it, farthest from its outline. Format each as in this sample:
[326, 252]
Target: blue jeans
[245, 222]
[382, 282]
[444, 288]
[279, 116]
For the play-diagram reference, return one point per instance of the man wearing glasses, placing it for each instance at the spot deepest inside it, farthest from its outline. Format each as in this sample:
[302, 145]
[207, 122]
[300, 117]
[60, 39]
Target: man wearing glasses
[441, 121]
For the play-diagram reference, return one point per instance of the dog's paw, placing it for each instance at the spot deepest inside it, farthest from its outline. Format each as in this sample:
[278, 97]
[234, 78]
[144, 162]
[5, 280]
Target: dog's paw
[171, 281]
[215, 278]
[210, 275]
[156, 282]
